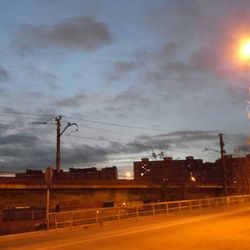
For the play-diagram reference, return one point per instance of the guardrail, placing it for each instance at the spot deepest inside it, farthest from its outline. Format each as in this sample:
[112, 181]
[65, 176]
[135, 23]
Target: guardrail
[100, 215]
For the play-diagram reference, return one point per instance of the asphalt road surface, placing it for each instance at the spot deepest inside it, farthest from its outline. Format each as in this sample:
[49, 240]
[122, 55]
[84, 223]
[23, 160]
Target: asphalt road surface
[225, 229]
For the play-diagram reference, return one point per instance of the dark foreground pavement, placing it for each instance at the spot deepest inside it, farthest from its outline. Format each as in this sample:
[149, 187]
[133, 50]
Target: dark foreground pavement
[224, 229]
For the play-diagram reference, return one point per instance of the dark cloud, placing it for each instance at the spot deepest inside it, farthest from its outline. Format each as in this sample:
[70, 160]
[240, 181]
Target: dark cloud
[10, 110]
[26, 140]
[183, 137]
[165, 142]
[85, 154]
[4, 74]
[130, 97]
[21, 158]
[188, 136]
[121, 101]
[21, 151]
[164, 69]
[73, 33]
[74, 101]
[121, 69]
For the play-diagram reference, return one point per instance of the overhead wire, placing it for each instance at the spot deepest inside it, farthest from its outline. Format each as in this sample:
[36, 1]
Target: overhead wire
[34, 116]
[114, 124]
[77, 149]
[105, 130]
[92, 138]
[83, 119]
[107, 160]
[25, 114]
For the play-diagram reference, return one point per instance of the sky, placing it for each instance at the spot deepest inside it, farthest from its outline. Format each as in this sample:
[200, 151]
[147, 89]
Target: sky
[137, 76]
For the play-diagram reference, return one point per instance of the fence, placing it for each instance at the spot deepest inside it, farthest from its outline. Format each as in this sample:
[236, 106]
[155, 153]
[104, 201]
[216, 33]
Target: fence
[98, 216]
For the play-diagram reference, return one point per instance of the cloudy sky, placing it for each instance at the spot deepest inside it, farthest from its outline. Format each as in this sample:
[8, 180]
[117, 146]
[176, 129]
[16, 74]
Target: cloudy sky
[137, 76]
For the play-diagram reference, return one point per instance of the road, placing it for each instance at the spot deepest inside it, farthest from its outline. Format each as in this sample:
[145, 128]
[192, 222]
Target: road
[225, 229]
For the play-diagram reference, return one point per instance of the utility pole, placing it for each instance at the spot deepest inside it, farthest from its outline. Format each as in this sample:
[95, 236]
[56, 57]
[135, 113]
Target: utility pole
[58, 142]
[222, 152]
[58, 139]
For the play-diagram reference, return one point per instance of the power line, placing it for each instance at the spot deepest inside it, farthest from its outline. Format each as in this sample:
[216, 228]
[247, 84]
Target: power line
[92, 138]
[2, 120]
[85, 120]
[108, 158]
[105, 130]
[76, 148]
[25, 114]
[114, 124]
[19, 119]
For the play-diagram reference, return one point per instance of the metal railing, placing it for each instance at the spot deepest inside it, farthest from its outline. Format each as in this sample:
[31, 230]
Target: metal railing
[100, 215]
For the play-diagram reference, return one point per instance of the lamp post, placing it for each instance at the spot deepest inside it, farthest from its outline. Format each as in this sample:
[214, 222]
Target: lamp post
[244, 52]
[48, 180]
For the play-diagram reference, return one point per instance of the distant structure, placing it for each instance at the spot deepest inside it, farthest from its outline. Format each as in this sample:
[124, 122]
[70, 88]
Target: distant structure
[165, 179]
[108, 173]
[167, 172]
[195, 172]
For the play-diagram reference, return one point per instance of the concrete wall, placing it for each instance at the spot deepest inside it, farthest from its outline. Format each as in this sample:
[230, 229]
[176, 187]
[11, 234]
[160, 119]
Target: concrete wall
[88, 198]
[74, 198]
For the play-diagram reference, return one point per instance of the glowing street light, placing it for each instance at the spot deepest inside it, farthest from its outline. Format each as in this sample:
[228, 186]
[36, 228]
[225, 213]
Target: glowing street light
[244, 50]
[193, 179]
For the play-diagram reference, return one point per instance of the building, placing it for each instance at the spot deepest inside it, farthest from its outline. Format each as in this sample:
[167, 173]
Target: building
[108, 173]
[195, 172]
[237, 172]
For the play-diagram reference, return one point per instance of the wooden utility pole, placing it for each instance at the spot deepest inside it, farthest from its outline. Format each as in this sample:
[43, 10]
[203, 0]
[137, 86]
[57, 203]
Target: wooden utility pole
[58, 143]
[222, 152]
[58, 139]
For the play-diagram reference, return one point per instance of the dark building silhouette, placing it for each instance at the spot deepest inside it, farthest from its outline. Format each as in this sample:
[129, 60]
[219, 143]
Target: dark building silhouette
[195, 172]
[168, 172]
[108, 173]
[31, 173]
[237, 172]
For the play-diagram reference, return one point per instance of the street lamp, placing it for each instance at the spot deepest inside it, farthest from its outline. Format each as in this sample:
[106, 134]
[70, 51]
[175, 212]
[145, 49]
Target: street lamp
[244, 56]
[244, 50]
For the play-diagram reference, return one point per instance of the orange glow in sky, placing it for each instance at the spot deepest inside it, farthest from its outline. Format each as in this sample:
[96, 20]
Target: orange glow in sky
[245, 49]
